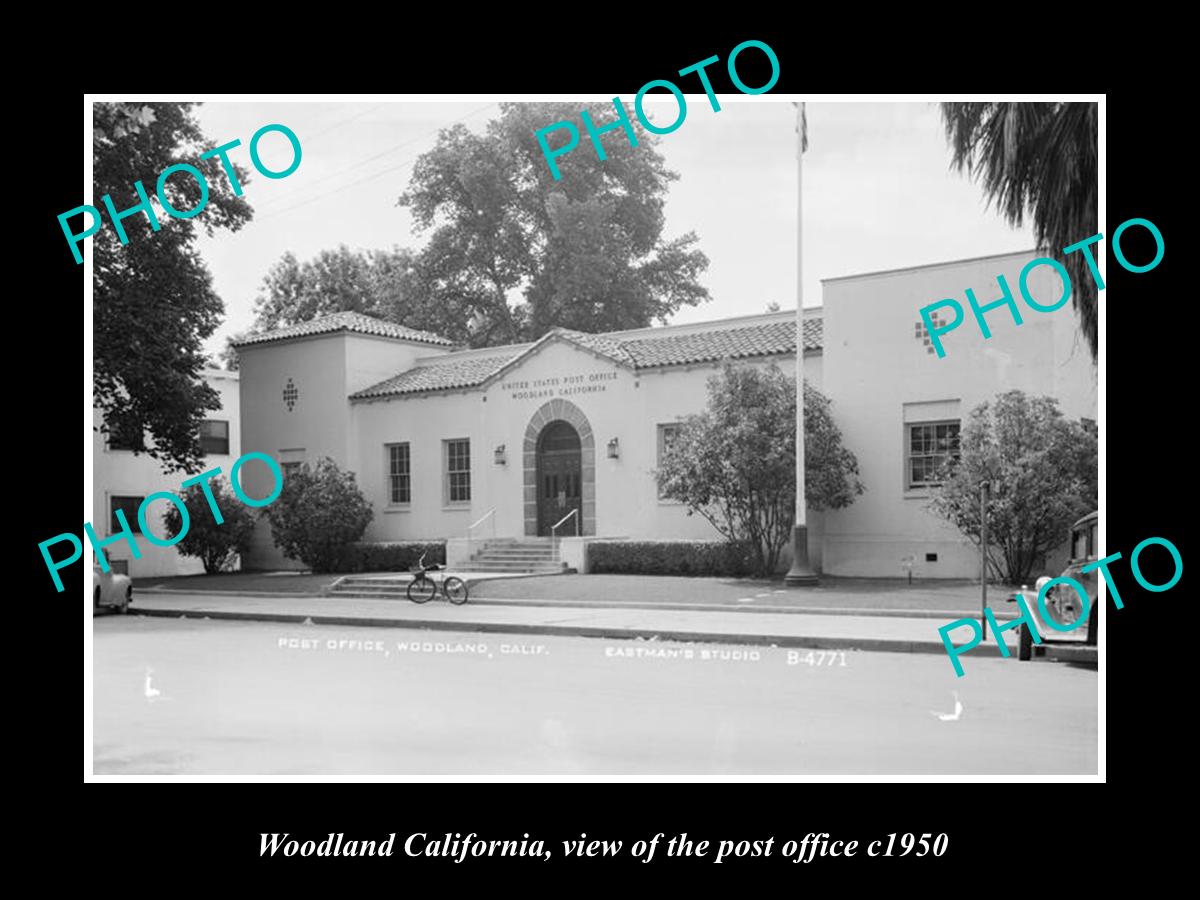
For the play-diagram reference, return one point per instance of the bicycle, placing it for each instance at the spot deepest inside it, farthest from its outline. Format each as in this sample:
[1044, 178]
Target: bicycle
[422, 588]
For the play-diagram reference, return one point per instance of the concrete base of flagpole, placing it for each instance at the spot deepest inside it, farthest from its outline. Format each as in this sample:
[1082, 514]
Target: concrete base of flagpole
[801, 573]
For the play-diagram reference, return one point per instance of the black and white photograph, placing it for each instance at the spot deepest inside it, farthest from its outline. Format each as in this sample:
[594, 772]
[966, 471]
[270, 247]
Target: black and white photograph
[722, 434]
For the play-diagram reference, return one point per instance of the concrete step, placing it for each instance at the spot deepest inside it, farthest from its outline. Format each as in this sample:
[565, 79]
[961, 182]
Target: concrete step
[517, 549]
[496, 554]
[528, 542]
[374, 582]
[353, 595]
[383, 586]
[499, 558]
[483, 566]
[361, 592]
[518, 546]
[514, 548]
[533, 557]
[525, 570]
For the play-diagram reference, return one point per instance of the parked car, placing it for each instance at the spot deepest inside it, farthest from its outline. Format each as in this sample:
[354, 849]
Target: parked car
[111, 589]
[1063, 603]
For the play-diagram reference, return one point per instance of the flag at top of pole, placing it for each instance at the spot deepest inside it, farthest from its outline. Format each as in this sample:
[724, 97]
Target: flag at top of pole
[801, 573]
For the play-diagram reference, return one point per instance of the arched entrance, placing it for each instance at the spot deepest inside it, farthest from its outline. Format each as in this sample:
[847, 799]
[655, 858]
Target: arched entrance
[559, 477]
[559, 440]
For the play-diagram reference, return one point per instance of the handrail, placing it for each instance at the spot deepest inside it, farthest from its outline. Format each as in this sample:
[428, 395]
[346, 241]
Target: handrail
[554, 527]
[487, 515]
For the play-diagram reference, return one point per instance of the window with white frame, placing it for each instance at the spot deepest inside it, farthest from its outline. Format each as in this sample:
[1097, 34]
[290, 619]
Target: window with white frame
[667, 433]
[214, 437]
[457, 485]
[129, 506]
[399, 484]
[126, 439]
[929, 448]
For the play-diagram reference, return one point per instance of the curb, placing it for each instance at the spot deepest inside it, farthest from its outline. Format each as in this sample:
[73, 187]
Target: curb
[169, 591]
[943, 614]
[888, 645]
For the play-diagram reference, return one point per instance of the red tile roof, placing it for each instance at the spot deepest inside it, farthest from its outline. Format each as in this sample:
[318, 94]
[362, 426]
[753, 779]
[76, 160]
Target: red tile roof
[440, 374]
[635, 350]
[359, 323]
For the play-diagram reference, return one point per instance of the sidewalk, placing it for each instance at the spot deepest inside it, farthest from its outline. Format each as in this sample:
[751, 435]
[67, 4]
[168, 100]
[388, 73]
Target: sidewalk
[893, 633]
[944, 600]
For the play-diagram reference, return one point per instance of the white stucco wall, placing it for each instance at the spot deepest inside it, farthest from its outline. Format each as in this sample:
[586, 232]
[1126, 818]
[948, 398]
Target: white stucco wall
[123, 473]
[617, 402]
[325, 370]
[875, 365]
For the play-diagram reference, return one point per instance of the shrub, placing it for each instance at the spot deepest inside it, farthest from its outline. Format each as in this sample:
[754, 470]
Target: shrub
[390, 556]
[215, 545]
[671, 558]
[1041, 469]
[735, 463]
[320, 512]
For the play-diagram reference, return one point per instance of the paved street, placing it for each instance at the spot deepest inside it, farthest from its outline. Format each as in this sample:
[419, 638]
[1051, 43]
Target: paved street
[858, 594]
[176, 696]
[938, 598]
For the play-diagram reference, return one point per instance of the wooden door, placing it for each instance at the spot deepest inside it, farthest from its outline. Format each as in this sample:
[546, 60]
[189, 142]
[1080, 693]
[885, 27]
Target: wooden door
[559, 478]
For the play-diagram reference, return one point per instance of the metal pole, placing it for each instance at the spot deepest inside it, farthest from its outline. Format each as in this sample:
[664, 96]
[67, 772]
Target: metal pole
[801, 501]
[983, 511]
[801, 572]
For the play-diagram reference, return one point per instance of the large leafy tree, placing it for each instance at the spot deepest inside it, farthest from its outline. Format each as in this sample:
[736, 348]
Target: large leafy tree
[1037, 160]
[735, 463]
[520, 252]
[154, 299]
[1041, 470]
[387, 284]
[334, 281]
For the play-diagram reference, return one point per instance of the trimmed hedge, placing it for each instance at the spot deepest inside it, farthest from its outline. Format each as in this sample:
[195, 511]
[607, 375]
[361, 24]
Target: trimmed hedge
[669, 558]
[390, 556]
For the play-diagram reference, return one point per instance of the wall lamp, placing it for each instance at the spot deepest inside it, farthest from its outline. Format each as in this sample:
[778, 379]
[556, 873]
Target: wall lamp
[614, 449]
[501, 457]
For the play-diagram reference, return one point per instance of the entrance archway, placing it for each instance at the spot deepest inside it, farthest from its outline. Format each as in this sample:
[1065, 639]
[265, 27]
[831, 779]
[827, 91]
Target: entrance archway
[551, 438]
[559, 477]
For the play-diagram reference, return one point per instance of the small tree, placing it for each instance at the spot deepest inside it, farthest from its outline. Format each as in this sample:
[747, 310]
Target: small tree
[320, 511]
[215, 545]
[1041, 469]
[735, 463]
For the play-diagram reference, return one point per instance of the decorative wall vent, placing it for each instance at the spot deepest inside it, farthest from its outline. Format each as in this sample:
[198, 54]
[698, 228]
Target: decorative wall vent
[290, 395]
[923, 332]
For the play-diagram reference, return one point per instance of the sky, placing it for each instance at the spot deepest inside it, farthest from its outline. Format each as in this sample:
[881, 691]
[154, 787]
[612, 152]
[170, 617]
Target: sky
[878, 192]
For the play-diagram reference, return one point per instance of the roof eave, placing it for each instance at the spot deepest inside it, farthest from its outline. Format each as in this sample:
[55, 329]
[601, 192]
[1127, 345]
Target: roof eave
[341, 329]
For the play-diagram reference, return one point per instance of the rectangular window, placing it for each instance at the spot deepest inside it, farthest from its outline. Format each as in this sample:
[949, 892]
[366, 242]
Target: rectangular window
[129, 506]
[125, 439]
[666, 437]
[458, 471]
[399, 474]
[1080, 550]
[930, 446]
[214, 437]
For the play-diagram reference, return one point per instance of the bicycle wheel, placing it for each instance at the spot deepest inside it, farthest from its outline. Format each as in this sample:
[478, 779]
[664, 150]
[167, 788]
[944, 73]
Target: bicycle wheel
[421, 590]
[455, 590]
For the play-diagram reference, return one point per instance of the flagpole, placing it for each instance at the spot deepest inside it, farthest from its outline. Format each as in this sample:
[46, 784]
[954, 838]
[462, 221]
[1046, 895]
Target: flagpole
[801, 573]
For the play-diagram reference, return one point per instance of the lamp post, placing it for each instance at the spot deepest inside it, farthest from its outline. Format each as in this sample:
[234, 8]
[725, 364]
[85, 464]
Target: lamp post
[983, 513]
[801, 573]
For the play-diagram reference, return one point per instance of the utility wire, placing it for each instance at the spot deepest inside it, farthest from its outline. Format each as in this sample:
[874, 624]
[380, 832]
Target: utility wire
[360, 163]
[346, 121]
[381, 172]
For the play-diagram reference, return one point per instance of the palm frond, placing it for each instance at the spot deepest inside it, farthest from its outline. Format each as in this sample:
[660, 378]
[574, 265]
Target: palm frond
[1036, 160]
